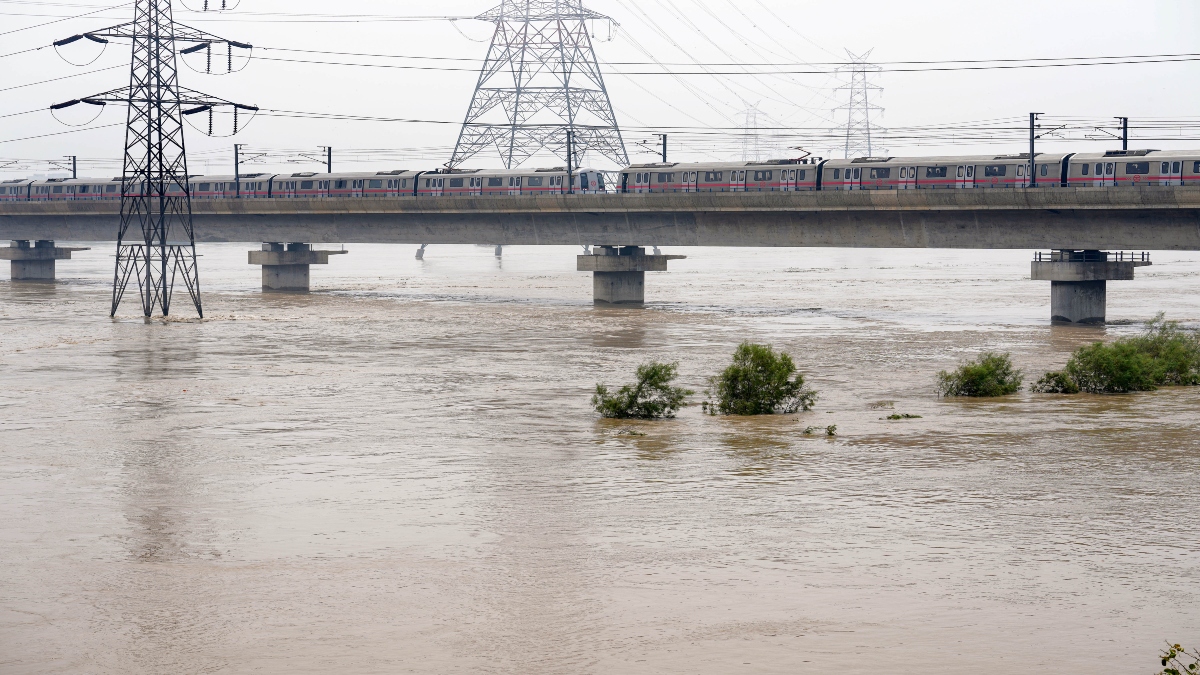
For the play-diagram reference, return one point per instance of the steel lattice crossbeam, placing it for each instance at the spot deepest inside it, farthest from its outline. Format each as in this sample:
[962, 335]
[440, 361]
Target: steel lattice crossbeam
[540, 81]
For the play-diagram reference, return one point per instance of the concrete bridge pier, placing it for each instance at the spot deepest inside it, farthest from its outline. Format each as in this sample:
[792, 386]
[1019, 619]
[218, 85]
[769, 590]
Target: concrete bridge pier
[1079, 281]
[286, 269]
[619, 273]
[34, 263]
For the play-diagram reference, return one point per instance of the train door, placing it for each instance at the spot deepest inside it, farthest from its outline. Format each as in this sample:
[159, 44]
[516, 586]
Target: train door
[514, 185]
[965, 176]
[787, 180]
[737, 181]
[1110, 174]
[689, 181]
[908, 178]
[1172, 173]
[851, 178]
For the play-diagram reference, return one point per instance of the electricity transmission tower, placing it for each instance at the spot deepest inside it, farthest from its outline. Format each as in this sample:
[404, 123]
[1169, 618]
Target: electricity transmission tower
[857, 130]
[752, 147]
[540, 87]
[155, 240]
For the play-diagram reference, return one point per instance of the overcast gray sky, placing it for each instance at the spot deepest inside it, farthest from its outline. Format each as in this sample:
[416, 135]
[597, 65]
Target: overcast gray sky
[752, 32]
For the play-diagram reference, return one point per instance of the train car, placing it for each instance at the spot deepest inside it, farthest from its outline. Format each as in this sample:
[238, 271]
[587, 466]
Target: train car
[909, 173]
[509, 182]
[1135, 167]
[253, 186]
[777, 175]
[95, 189]
[15, 190]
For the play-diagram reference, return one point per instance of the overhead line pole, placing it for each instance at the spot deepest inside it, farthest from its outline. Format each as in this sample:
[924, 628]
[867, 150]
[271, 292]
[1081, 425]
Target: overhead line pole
[1032, 151]
[1124, 132]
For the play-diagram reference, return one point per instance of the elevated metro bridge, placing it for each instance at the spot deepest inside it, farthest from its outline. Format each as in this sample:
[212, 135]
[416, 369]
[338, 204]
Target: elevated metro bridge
[1079, 224]
[1152, 218]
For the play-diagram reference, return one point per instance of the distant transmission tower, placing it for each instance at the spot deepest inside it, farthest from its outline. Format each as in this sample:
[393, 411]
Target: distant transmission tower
[859, 110]
[541, 87]
[751, 140]
[156, 200]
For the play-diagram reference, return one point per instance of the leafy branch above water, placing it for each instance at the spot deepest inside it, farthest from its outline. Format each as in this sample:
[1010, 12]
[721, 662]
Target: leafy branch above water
[651, 397]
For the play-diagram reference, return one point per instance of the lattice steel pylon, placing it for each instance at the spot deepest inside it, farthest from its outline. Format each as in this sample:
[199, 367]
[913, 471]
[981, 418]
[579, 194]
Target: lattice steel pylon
[156, 201]
[540, 88]
[858, 133]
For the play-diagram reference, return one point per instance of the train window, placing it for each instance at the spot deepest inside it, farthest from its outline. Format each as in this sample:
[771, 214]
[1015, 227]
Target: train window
[970, 172]
[935, 171]
[837, 174]
[1045, 169]
[1196, 167]
[802, 172]
[203, 187]
[1085, 168]
[904, 172]
[857, 174]
[1166, 167]
[534, 181]
[339, 185]
[1021, 170]
[884, 172]
[960, 172]
[1137, 168]
[1176, 167]
[58, 189]
[306, 185]
[1099, 169]
[456, 182]
[376, 183]
[1108, 168]
[495, 182]
[83, 189]
[666, 178]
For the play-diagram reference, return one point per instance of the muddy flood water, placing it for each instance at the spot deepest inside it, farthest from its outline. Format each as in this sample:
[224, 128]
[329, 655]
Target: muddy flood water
[401, 473]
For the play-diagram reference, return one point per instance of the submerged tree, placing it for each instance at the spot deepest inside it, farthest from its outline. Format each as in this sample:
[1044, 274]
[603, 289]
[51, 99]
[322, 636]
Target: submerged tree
[759, 382]
[992, 374]
[651, 397]
[1165, 355]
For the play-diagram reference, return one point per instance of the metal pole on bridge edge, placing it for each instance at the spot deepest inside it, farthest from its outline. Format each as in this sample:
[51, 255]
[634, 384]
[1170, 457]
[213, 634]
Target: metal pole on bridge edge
[1032, 153]
[237, 176]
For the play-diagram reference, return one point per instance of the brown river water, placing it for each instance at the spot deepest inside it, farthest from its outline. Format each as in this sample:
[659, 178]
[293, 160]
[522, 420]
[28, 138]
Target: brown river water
[401, 473]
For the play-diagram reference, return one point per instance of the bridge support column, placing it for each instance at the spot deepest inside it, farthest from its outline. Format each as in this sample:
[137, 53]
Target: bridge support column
[1079, 281]
[34, 263]
[285, 270]
[619, 273]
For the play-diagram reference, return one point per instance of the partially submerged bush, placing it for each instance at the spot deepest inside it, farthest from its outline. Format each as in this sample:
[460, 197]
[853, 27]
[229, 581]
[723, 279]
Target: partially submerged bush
[1178, 661]
[759, 382]
[651, 397]
[1166, 354]
[1055, 382]
[992, 374]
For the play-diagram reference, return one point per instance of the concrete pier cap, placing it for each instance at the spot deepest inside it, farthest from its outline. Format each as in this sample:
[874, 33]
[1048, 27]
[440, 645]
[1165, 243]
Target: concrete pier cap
[34, 263]
[619, 273]
[285, 266]
[1079, 281]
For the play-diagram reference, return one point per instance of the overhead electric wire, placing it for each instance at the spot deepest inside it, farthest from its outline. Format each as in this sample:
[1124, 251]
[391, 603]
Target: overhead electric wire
[65, 18]
[64, 77]
[60, 133]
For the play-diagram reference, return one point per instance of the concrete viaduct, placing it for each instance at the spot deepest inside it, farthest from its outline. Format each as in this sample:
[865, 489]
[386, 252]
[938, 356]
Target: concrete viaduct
[1078, 224]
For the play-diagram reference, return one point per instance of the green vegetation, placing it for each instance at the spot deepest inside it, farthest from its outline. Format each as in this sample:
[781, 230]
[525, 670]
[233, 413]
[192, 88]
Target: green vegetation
[1178, 661]
[903, 416]
[991, 374]
[830, 430]
[1164, 355]
[651, 397]
[759, 382]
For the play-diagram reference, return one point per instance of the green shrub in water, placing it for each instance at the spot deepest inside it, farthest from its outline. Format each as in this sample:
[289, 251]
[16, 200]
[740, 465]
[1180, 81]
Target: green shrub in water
[651, 397]
[1178, 661]
[1164, 355]
[1055, 382]
[760, 381]
[992, 374]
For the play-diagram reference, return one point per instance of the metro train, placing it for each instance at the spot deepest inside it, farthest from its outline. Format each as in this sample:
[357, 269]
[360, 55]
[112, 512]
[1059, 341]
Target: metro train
[1114, 168]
